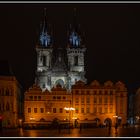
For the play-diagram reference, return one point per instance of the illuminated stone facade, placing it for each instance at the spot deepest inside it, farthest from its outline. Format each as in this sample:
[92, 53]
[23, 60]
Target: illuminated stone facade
[59, 65]
[10, 105]
[100, 102]
[91, 102]
[46, 105]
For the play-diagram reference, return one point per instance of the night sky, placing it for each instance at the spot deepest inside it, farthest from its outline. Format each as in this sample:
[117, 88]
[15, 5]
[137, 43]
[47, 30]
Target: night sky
[112, 39]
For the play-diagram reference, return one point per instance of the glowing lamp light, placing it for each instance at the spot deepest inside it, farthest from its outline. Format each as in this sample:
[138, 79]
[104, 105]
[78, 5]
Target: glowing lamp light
[74, 118]
[32, 118]
[69, 108]
[115, 116]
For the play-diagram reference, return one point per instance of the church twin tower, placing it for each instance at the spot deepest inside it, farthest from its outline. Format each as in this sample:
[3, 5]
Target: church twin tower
[57, 65]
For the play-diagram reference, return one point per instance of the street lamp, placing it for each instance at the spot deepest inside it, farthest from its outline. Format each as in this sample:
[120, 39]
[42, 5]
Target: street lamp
[116, 118]
[69, 109]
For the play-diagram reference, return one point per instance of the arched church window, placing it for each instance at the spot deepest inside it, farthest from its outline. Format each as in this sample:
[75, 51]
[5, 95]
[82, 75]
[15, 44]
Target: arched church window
[43, 85]
[44, 60]
[76, 60]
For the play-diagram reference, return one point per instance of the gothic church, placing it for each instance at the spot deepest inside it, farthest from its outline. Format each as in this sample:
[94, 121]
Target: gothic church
[66, 66]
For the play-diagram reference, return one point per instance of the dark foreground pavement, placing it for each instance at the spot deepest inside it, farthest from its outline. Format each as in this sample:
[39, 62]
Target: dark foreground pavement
[90, 132]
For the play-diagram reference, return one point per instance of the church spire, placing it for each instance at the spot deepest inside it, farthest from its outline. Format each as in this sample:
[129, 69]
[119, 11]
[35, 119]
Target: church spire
[45, 38]
[44, 29]
[75, 24]
[74, 36]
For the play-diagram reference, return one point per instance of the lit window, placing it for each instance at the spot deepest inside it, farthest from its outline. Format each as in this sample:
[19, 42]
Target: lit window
[54, 110]
[105, 92]
[54, 97]
[82, 92]
[95, 100]
[35, 110]
[3, 107]
[88, 100]
[100, 109]
[11, 106]
[35, 97]
[111, 92]
[111, 110]
[42, 110]
[39, 97]
[7, 92]
[88, 110]
[82, 110]
[111, 99]
[61, 110]
[76, 110]
[82, 100]
[95, 92]
[67, 111]
[88, 92]
[100, 100]
[2, 92]
[121, 106]
[106, 110]
[100, 92]
[7, 107]
[29, 110]
[30, 97]
[59, 97]
[77, 92]
[77, 100]
[106, 100]
[95, 110]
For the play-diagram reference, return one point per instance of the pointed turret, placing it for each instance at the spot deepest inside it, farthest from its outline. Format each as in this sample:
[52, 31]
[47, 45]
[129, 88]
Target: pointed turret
[74, 37]
[45, 38]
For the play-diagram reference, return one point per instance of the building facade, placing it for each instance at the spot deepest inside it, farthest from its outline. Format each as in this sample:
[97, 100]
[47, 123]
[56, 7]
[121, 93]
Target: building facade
[137, 106]
[103, 103]
[61, 91]
[10, 100]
